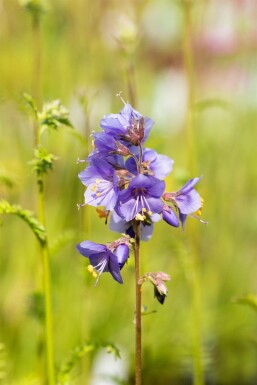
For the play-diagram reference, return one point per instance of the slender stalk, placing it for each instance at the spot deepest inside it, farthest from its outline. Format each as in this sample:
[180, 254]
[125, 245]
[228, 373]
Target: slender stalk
[190, 133]
[47, 291]
[36, 80]
[138, 380]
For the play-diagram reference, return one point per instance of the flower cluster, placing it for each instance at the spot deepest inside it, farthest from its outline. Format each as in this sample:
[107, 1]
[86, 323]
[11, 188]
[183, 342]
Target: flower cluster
[125, 177]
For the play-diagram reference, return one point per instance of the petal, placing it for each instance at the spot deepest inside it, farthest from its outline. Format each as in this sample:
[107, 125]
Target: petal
[155, 205]
[117, 223]
[122, 253]
[100, 262]
[162, 166]
[146, 232]
[157, 187]
[108, 198]
[188, 186]
[170, 217]
[114, 268]
[183, 218]
[88, 248]
[189, 203]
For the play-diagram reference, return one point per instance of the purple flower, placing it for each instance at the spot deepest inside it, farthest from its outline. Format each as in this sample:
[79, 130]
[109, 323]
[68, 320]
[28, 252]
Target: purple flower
[128, 125]
[142, 196]
[187, 199]
[105, 258]
[153, 164]
[102, 184]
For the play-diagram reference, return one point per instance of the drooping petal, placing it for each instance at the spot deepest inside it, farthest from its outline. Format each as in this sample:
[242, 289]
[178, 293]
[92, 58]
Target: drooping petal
[114, 268]
[183, 218]
[189, 203]
[88, 248]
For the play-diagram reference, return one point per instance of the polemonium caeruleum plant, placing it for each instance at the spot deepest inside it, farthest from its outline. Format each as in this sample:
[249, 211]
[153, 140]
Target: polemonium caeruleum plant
[127, 179]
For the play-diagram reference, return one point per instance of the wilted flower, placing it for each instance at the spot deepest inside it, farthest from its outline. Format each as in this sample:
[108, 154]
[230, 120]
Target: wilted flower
[157, 279]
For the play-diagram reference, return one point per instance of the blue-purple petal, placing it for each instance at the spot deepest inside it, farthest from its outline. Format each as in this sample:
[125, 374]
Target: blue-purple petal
[188, 186]
[87, 248]
[189, 203]
[170, 217]
[122, 253]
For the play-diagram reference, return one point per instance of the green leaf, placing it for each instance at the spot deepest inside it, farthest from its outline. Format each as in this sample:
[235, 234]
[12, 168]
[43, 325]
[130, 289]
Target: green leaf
[37, 228]
[249, 300]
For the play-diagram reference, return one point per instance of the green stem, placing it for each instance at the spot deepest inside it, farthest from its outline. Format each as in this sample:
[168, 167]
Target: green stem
[190, 133]
[47, 291]
[36, 68]
[138, 379]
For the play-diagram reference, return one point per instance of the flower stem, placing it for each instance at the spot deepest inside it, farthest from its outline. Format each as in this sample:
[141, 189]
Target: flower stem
[138, 307]
[36, 80]
[47, 291]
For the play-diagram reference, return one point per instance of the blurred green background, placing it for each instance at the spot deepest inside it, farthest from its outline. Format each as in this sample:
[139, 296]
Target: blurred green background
[88, 51]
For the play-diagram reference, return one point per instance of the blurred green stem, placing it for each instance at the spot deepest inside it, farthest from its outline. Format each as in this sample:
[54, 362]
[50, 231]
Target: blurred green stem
[190, 132]
[138, 380]
[47, 290]
[36, 67]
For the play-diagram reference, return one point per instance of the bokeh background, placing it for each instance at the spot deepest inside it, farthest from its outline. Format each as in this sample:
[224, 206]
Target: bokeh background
[191, 67]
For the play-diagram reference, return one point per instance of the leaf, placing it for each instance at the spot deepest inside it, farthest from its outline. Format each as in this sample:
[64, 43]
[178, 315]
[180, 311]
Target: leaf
[249, 300]
[37, 228]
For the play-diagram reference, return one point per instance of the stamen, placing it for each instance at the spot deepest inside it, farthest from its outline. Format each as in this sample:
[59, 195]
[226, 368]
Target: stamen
[119, 95]
[150, 213]
[140, 217]
[80, 160]
[80, 205]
